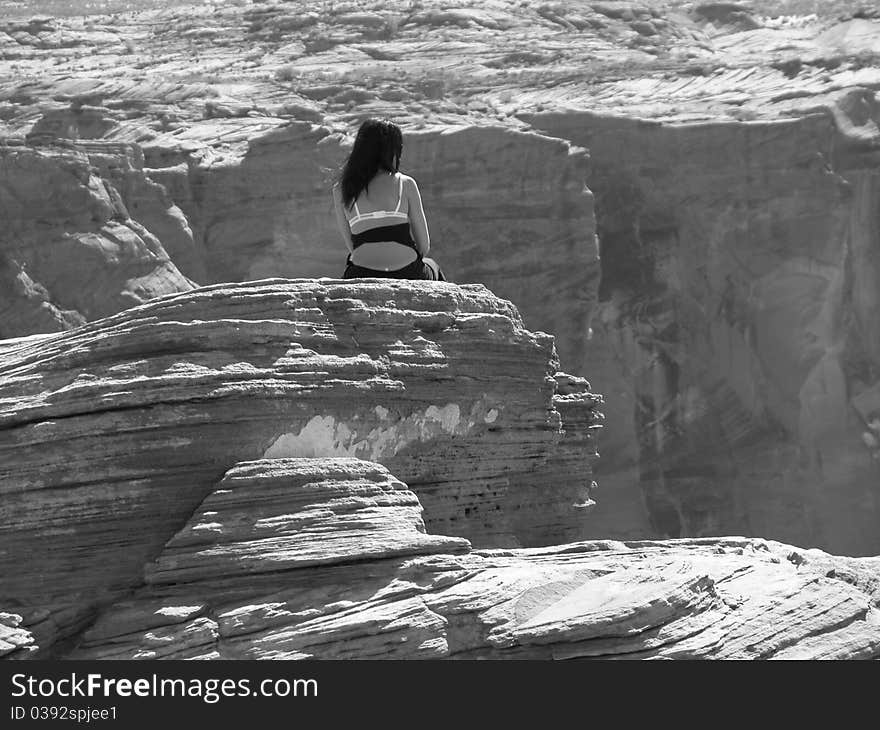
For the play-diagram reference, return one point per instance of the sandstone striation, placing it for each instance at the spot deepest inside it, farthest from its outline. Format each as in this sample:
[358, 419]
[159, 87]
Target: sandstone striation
[223, 444]
[731, 150]
[327, 558]
[112, 434]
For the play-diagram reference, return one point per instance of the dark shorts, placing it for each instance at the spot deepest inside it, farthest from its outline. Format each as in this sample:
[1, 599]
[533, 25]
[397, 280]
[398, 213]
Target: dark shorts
[418, 269]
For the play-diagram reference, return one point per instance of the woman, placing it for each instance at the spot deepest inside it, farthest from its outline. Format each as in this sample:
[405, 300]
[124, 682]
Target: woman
[379, 210]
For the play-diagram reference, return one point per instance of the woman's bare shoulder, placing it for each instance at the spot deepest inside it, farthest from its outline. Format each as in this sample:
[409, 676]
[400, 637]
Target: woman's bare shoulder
[408, 182]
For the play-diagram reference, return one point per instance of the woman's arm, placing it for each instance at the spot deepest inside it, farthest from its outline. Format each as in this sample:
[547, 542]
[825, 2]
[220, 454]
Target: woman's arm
[341, 219]
[417, 222]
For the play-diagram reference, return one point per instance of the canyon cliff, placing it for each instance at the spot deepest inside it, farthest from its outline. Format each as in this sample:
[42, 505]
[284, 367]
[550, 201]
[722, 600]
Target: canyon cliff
[197, 477]
[735, 325]
[70, 251]
[684, 194]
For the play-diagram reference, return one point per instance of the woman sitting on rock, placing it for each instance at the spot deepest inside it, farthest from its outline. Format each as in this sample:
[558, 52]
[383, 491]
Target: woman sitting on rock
[379, 210]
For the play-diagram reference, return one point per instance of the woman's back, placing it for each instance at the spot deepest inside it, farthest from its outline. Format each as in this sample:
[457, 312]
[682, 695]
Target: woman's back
[382, 193]
[382, 203]
[386, 222]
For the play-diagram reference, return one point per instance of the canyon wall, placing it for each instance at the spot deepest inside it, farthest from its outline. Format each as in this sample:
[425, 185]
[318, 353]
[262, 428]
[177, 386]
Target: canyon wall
[739, 283]
[71, 247]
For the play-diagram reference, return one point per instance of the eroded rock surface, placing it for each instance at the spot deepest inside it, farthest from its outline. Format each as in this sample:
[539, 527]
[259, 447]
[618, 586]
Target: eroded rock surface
[327, 558]
[15, 642]
[70, 250]
[731, 150]
[113, 433]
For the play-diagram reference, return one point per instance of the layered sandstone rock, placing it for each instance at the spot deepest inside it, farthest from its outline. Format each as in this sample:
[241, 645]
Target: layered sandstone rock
[69, 249]
[328, 558]
[112, 434]
[732, 154]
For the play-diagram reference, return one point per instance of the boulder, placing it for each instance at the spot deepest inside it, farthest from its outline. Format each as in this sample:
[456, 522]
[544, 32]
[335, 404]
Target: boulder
[112, 434]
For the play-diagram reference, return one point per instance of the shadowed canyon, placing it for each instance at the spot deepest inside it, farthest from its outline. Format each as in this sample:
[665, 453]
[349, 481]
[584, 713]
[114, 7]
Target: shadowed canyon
[675, 205]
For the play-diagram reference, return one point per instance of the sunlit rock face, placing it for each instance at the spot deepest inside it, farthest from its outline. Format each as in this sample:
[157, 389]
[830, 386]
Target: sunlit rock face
[328, 558]
[74, 245]
[734, 334]
[261, 208]
[113, 433]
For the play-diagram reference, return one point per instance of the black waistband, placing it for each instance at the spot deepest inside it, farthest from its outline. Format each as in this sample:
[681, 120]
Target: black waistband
[399, 233]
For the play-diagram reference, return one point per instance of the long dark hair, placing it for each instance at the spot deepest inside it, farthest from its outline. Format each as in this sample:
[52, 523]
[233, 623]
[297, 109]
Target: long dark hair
[378, 146]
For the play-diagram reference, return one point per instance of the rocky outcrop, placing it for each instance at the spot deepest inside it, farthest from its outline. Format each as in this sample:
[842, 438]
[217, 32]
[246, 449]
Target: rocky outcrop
[731, 149]
[112, 434]
[508, 209]
[328, 558]
[214, 443]
[69, 249]
[15, 642]
[518, 218]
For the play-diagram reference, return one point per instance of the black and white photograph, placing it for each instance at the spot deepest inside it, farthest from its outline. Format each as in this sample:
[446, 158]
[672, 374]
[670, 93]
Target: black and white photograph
[435, 329]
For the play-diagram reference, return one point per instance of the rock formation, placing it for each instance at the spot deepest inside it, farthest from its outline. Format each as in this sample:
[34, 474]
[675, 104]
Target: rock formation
[112, 434]
[328, 558]
[739, 283]
[731, 151]
[221, 445]
[15, 642]
[69, 249]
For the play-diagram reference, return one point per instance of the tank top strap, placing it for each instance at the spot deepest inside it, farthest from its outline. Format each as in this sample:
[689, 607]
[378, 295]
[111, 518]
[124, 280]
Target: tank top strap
[399, 194]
